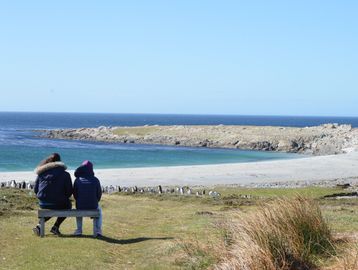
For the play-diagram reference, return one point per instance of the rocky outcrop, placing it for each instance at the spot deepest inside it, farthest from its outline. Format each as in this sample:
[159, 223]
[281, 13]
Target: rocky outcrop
[319, 140]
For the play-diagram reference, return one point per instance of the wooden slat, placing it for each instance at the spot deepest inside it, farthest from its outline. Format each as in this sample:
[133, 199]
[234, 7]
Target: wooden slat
[67, 213]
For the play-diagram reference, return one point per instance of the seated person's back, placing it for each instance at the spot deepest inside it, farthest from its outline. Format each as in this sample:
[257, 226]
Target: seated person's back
[87, 192]
[87, 189]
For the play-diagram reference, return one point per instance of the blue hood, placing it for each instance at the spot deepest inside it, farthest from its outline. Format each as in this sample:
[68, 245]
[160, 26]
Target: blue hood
[84, 171]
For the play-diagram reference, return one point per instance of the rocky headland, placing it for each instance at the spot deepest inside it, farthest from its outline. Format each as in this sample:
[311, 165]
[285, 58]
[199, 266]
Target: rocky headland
[319, 140]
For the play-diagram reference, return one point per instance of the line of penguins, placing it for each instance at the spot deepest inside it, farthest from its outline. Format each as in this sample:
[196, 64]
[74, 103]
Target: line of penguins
[185, 190]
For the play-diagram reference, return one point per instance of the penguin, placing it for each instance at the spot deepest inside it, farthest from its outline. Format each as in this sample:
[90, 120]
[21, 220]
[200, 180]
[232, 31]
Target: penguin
[13, 184]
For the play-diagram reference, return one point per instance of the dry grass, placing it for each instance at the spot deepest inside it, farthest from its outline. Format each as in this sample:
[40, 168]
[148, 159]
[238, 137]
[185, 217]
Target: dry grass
[284, 234]
[136, 131]
[346, 260]
[349, 261]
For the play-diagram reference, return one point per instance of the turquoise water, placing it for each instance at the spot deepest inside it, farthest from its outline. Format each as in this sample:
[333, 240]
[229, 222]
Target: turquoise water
[25, 157]
[20, 150]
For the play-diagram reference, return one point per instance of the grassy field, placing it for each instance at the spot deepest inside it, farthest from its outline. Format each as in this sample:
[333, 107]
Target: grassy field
[148, 231]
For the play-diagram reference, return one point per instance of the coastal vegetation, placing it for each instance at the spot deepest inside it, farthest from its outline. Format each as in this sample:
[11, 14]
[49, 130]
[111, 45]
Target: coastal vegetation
[298, 226]
[283, 234]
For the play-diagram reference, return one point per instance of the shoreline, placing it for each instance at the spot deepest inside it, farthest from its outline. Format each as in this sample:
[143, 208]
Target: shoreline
[310, 170]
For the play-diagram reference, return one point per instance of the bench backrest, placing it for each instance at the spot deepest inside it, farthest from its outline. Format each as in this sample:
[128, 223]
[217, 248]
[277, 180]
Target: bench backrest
[67, 213]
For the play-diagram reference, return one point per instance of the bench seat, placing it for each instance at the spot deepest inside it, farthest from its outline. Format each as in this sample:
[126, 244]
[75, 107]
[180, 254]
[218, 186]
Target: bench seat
[43, 213]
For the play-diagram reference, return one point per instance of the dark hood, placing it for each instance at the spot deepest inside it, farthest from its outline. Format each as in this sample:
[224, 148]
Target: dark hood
[84, 170]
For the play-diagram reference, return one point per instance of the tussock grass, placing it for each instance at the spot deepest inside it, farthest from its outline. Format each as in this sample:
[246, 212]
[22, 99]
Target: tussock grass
[347, 259]
[284, 234]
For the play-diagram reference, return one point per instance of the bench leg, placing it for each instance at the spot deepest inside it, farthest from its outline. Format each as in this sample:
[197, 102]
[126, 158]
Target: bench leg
[42, 227]
[94, 227]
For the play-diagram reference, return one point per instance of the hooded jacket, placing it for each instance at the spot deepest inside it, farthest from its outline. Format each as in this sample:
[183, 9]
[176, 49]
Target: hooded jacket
[87, 188]
[53, 186]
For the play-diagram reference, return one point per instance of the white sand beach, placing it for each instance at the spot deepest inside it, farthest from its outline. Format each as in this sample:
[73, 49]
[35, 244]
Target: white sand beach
[311, 169]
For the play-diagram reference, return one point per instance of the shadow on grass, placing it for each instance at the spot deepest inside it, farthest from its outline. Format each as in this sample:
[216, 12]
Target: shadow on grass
[118, 241]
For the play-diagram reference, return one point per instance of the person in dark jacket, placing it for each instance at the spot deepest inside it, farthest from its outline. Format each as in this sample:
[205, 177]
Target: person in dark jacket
[87, 192]
[53, 188]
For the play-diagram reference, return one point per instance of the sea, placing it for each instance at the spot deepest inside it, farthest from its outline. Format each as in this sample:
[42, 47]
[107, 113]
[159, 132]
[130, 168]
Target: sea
[21, 148]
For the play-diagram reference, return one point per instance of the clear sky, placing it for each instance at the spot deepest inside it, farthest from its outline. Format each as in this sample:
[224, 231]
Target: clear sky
[207, 57]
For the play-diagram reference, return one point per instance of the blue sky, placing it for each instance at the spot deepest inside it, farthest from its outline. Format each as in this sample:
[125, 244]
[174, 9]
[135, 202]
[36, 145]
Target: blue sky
[206, 57]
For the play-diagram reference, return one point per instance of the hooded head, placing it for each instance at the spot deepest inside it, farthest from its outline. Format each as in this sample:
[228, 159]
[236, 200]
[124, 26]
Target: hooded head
[51, 162]
[86, 169]
[88, 164]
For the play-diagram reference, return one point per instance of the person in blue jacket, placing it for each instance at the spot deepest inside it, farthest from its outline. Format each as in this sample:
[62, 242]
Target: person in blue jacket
[87, 192]
[53, 188]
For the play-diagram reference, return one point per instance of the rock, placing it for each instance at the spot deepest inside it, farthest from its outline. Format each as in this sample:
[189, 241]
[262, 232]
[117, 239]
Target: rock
[343, 194]
[346, 185]
[214, 194]
[204, 213]
[284, 145]
[205, 143]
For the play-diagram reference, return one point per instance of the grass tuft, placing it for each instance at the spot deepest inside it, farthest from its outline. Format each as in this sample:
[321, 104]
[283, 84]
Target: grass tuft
[284, 234]
[347, 259]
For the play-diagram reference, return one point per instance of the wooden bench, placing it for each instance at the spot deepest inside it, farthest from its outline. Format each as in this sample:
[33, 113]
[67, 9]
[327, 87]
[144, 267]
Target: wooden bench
[43, 213]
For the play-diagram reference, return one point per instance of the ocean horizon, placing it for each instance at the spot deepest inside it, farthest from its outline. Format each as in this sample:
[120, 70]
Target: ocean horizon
[93, 119]
[21, 149]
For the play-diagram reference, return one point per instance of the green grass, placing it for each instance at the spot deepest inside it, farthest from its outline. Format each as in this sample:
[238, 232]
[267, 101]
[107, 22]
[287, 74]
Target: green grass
[136, 131]
[311, 192]
[142, 234]
[144, 231]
